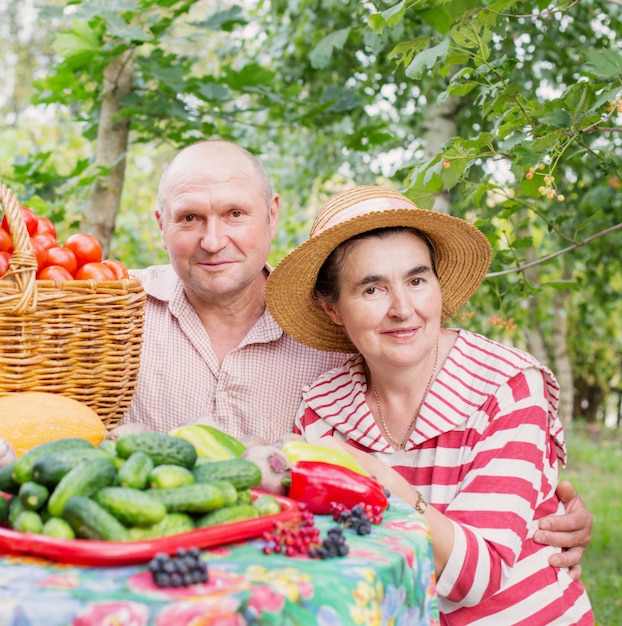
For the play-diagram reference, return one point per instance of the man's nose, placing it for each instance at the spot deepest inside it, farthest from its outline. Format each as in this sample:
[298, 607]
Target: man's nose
[213, 238]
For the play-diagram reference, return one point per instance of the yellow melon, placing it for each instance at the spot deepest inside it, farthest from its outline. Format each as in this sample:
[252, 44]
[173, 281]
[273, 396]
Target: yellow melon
[29, 418]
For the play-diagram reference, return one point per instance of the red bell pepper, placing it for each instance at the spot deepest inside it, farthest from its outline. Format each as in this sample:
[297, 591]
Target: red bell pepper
[317, 484]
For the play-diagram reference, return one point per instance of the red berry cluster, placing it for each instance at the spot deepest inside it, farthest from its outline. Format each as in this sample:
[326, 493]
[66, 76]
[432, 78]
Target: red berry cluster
[293, 538]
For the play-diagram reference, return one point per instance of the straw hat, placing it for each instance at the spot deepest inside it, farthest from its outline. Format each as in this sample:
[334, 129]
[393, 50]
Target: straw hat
[463, 255]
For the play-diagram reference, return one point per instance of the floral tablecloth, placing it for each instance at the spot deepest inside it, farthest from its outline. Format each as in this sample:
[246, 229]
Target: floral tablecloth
[387, 578]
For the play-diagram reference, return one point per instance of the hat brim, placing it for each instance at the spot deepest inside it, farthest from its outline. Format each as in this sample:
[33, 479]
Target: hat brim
[463, 255]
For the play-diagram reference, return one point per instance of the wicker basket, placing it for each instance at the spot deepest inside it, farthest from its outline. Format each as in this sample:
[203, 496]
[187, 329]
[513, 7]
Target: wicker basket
[79, 338]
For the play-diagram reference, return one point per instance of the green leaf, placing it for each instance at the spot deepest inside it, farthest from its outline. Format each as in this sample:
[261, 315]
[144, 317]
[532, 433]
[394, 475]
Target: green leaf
[427, 59]
[606, 63]
[320, 55]
[117, 27]
[81, 42]
[390, 17]
[558, 118]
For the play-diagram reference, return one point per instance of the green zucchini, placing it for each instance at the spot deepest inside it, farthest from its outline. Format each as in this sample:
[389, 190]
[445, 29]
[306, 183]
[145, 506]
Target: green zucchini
[90, 521]
[33, 495]
[170, 524]
[50, 468]
[83, 480]
[134, 473]
[160, 447]
[241, 473]
[196, 498]
[132, 507]
[22, 469]
[227, 514]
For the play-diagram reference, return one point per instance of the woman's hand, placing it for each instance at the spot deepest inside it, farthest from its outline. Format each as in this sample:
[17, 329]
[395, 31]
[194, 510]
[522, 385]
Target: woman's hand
[572, 531]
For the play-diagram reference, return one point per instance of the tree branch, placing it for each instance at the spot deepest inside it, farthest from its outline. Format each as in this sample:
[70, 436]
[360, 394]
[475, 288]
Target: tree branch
[544, 259]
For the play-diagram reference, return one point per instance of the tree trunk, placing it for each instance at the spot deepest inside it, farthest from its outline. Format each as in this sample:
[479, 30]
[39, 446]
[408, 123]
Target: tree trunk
[110, 151]
[440, 127]
[563, 365]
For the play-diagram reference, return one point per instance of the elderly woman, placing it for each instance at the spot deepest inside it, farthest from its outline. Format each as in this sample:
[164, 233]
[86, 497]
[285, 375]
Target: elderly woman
[439, 415]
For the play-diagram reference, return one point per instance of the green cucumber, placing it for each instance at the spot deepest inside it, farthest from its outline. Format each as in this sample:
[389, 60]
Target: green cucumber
[228, 514]
[267, 504]
[4, 509]
[170, 524]
[22, 470]
[109, 446]
[241, 473]
[132, 507]
[134, 473]
[90, 521]
[245, 496]
[28, 522]
[160, 447]
[59, 528]
[15, 508]
[83, 480]
[229, 492]
[196, 498]
[168, 476]
[33, 495]
[7, 483]
[50, 468]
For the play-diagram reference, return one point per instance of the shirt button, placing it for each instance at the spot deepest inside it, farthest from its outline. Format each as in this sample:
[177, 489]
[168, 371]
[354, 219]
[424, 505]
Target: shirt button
[222, 395]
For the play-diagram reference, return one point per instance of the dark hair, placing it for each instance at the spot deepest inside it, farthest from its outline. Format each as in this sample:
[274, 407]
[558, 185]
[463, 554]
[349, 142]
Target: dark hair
[327, 287]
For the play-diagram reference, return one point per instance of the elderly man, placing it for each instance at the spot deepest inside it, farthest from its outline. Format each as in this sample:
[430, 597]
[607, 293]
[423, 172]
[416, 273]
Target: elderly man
[211, 350]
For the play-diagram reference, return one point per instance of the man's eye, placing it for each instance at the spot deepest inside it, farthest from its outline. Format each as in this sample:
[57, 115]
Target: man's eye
[189, 218]
[237, 213]
[370, 291]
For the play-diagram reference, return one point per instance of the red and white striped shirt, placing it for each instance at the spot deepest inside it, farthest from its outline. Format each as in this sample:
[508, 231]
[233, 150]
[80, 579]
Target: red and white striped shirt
[256, 389]
[484, 452]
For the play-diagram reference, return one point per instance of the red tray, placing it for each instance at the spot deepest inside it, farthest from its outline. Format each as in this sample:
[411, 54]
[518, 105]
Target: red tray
[91, 552]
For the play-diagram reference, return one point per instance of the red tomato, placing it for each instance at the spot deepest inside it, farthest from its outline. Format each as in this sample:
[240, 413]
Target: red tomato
[47, 240]
[95, 271]
[6, 243]
[40, 252]
[54, 272]
[120, 271]
[63, 256]
[4, 263]
[30, 220]
[44, 225]
[86, 248]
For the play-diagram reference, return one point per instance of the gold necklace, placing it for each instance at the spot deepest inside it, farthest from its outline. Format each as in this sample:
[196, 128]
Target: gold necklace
[400, 444]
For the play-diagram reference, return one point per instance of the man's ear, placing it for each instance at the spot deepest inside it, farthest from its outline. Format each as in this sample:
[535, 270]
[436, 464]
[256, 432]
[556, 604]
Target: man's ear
[273, 214]
[159, 220]
[332, 310]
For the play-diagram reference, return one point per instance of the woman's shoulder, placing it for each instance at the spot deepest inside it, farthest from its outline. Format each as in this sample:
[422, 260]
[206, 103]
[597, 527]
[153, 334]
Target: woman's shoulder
[350, 371]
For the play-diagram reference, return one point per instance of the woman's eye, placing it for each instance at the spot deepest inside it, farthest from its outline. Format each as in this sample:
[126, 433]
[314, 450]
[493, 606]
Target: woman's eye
[370, 291]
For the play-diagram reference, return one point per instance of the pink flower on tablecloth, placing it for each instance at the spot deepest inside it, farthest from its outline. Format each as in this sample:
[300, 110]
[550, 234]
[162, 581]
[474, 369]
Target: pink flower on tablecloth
[214, 612]
[265, 600]
[60, 581]
[107, 613]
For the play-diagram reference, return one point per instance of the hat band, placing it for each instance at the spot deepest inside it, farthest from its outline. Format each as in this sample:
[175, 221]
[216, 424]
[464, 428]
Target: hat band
[364, 207]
